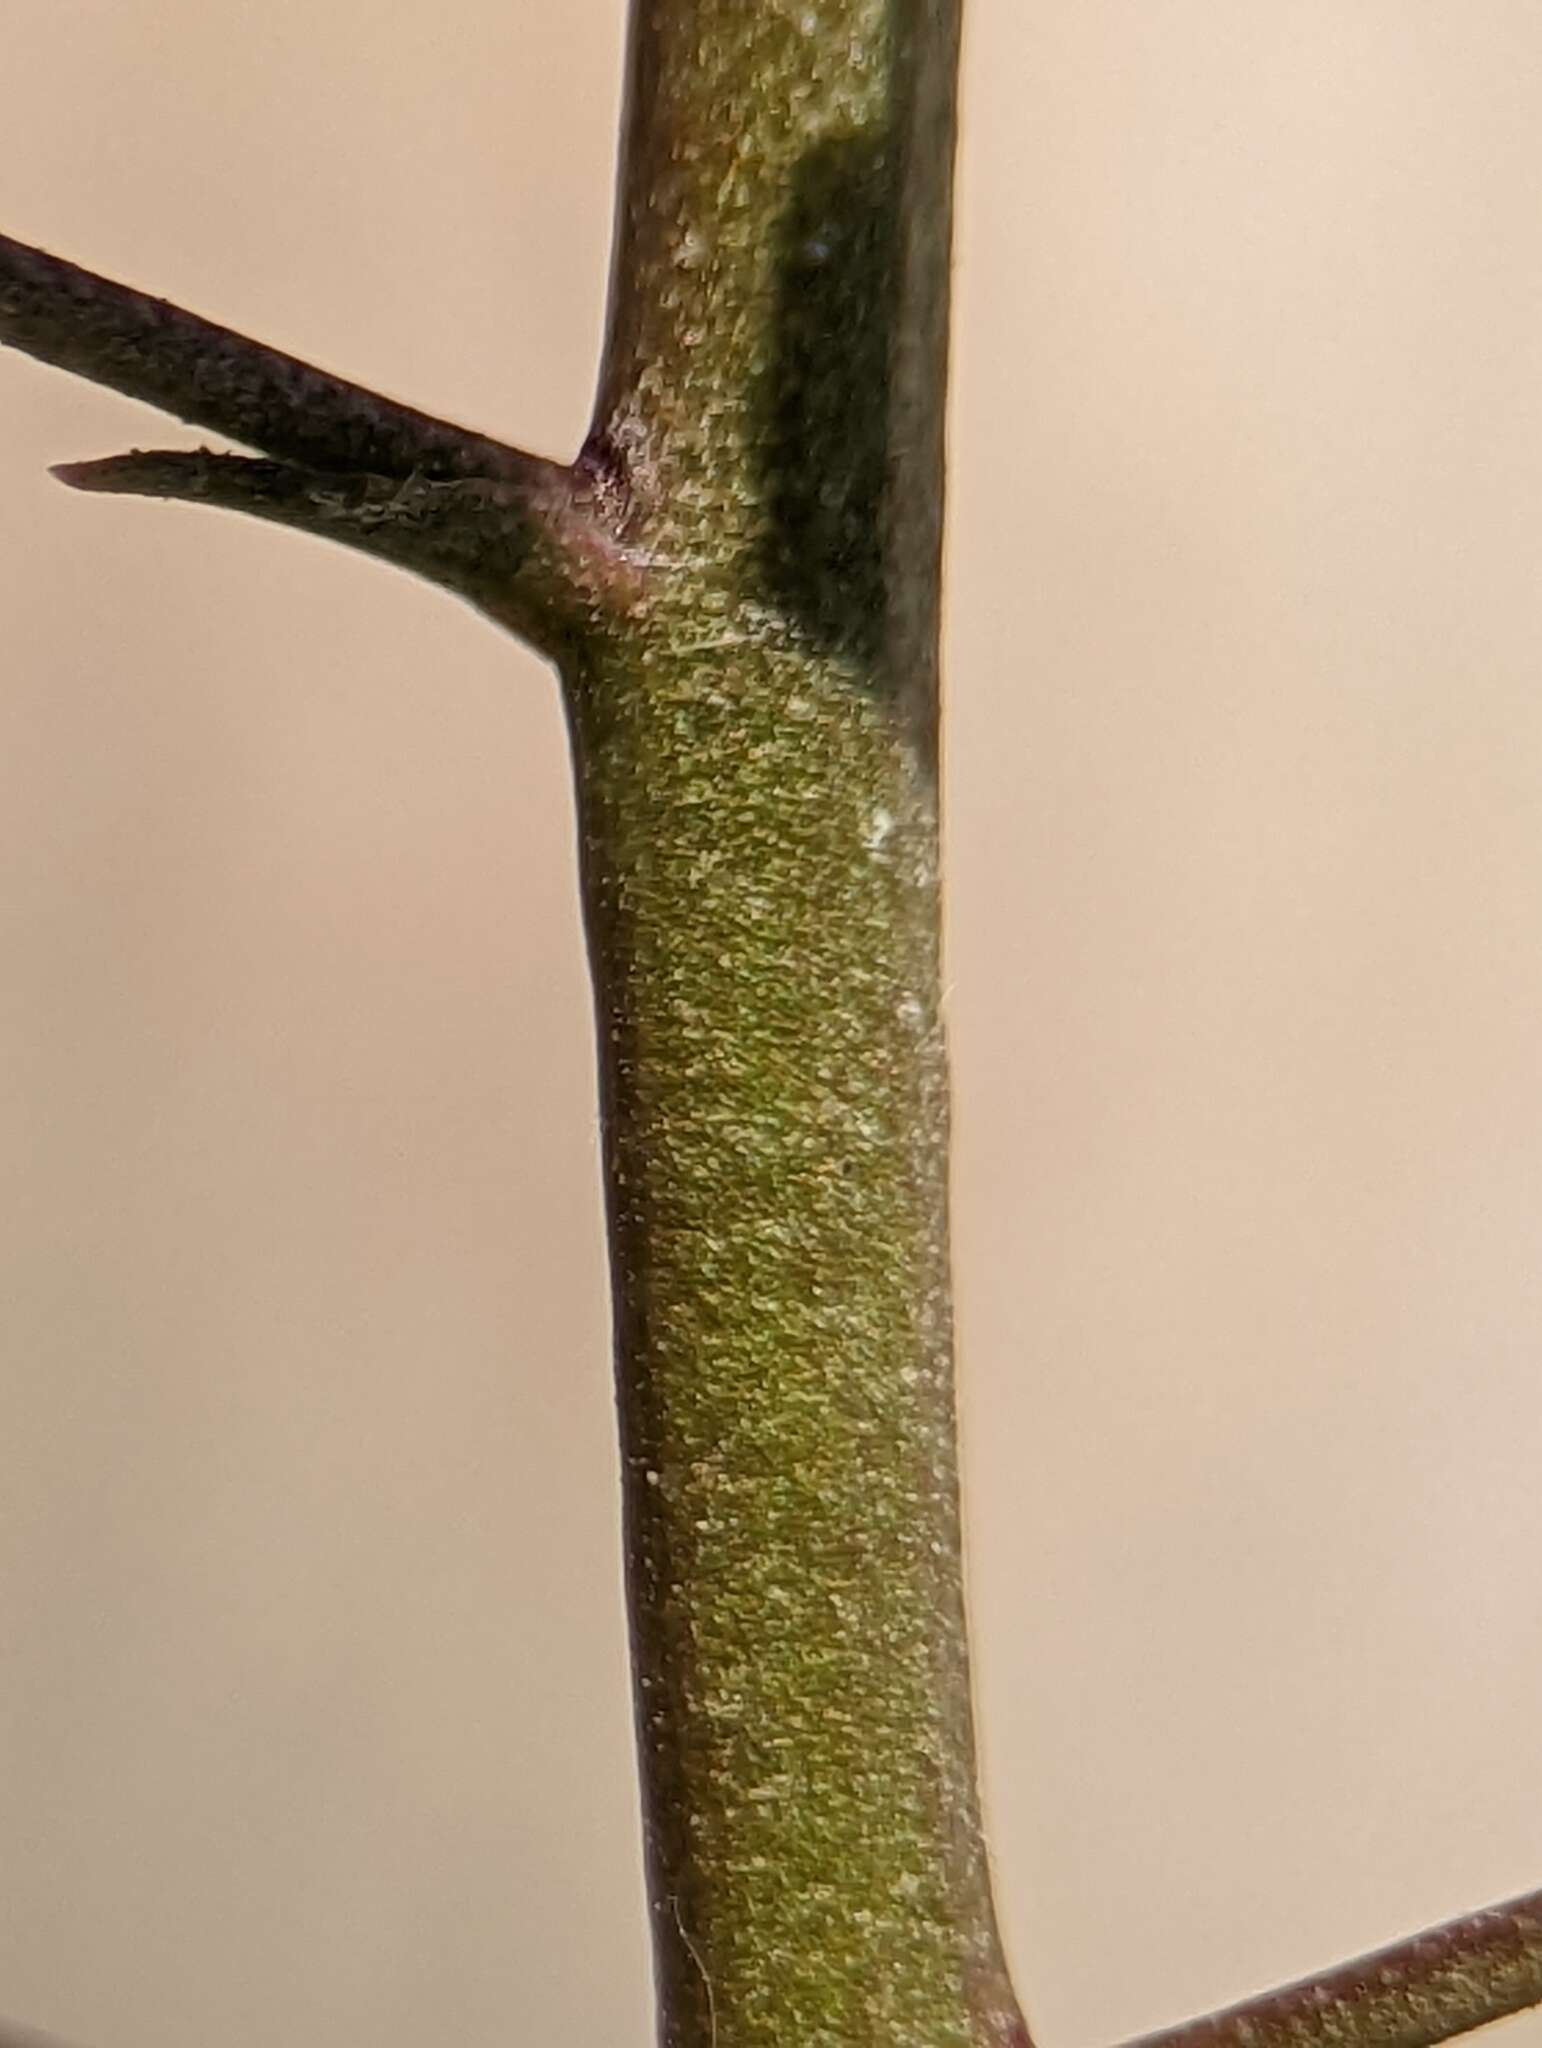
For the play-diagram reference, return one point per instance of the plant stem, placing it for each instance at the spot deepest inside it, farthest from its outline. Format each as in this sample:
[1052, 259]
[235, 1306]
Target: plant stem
[198, 371]
[1435, 1985]
[756, 772]
[739, 579]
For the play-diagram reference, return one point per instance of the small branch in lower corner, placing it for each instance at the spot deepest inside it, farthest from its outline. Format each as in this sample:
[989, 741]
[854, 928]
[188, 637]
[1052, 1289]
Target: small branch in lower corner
[1429, 1988]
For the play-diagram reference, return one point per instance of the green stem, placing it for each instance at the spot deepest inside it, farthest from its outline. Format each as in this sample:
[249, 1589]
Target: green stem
[1414, 1993]
[754, 740]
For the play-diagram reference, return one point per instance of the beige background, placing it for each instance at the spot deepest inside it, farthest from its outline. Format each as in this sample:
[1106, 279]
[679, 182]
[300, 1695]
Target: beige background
[313, 1713]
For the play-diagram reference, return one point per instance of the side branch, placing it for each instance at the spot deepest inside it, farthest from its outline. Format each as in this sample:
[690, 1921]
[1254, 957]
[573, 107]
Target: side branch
[532, 542]
[1417, 1992]
[212, 377]
[1429, 1988]
[472, 535]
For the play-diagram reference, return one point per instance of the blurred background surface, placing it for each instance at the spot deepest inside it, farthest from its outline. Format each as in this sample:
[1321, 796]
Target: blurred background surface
[314, 1721]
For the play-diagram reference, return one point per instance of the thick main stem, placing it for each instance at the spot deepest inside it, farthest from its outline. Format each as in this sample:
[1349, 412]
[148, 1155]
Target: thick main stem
[756, 770]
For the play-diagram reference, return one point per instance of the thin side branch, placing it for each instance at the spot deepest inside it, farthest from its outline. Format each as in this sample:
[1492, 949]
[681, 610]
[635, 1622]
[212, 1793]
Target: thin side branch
[212, 377]
[1428, 1988]
[473, 534]
[532, 542]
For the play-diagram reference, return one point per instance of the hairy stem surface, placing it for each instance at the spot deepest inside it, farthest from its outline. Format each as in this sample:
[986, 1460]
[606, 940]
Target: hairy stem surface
[1412, 1994]
[756, 769]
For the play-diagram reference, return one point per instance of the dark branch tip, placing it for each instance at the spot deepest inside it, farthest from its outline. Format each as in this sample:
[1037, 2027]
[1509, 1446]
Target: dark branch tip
[96, 473]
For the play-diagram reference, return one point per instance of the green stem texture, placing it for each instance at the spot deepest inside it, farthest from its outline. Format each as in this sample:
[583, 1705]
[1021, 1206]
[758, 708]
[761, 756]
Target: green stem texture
[756, 760]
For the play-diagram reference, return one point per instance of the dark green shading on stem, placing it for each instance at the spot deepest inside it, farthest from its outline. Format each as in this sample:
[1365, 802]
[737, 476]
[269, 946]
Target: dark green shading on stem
[824, 442]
